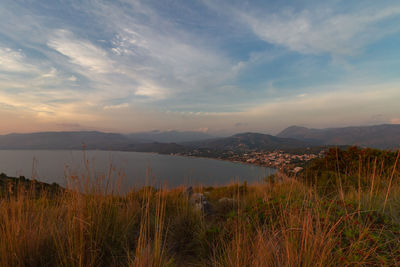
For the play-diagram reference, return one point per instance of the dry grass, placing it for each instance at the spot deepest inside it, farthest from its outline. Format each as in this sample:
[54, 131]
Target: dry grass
[281, 224]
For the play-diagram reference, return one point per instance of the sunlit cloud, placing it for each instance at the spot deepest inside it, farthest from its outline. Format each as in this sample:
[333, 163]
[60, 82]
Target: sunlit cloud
[13, 61]
[316, 28]
[319, 31]
[395, 121]
[124, 105]
[80, 52]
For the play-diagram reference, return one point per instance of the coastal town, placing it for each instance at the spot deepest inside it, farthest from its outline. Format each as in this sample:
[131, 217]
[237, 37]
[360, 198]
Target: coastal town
[274, 159]
[277, 159]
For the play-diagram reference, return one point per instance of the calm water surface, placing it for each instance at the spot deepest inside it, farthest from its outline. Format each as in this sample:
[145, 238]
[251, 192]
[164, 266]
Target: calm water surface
[134, 168]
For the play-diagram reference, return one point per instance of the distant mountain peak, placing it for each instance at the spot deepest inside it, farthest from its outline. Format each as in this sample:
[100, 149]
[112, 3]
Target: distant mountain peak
[169, 136]
[250, 134]
[251, 141]
[293, 129]
[384, 136]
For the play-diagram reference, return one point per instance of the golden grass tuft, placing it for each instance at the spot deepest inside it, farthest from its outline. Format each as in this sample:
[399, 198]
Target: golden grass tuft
[288, 223]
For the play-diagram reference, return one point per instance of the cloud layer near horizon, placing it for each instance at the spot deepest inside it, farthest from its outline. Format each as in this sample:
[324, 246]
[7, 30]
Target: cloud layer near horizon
[226, 66]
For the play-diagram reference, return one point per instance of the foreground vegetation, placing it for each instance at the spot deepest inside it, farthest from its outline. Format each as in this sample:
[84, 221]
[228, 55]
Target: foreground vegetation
[342, 210]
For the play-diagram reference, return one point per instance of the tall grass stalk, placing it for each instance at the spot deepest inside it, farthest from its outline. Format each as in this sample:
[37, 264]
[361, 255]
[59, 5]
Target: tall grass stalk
[285, 223]
[391, 179]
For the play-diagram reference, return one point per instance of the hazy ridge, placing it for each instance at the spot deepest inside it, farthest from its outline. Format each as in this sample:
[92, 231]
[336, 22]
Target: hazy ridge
[385, 136]
[379, 136]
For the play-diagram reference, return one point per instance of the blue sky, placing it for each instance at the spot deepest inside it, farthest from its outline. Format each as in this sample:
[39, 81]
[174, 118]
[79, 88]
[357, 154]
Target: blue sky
[216, 66]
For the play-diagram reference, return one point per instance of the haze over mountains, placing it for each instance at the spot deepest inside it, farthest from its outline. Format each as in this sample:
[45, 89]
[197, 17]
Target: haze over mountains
[379, 136]
[250, 141]
[169, 136]
[386, 136]
[95, 140]
[64, 140]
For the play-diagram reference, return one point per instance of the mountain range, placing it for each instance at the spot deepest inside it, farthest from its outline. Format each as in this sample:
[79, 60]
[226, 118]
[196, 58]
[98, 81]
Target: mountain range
[250, 141]
[96, 140]
[64, 140]
[168, 136]
[386, 136]
[379, 136]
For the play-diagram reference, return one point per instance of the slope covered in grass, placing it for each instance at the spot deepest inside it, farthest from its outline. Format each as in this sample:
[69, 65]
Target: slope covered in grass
[343, 210]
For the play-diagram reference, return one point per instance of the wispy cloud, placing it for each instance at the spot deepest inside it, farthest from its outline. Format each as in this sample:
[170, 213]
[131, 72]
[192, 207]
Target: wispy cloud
[317, 27]
[13, 61]
[123, 105]
[80, 52]
[156, 50]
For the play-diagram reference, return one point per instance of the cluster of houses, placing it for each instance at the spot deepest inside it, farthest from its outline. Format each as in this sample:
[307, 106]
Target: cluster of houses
[275, 159]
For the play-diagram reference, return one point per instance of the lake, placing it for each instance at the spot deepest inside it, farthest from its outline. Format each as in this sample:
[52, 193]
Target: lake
[133, 168]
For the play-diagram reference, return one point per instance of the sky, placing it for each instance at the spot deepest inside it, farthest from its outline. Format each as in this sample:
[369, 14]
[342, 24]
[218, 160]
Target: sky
[197, 65]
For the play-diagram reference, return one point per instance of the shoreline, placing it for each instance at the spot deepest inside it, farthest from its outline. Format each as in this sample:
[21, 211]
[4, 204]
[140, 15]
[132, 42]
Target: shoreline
[133, 166]
[145, 152]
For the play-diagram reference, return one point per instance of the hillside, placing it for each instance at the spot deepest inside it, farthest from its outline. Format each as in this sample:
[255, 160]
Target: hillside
[386, 136]
[250, 141]
[162, 148]
[64, 140]
[141, 143]
[169, 136]
[323, 216]
[294, 137]
[13, 185]
[147, 141]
